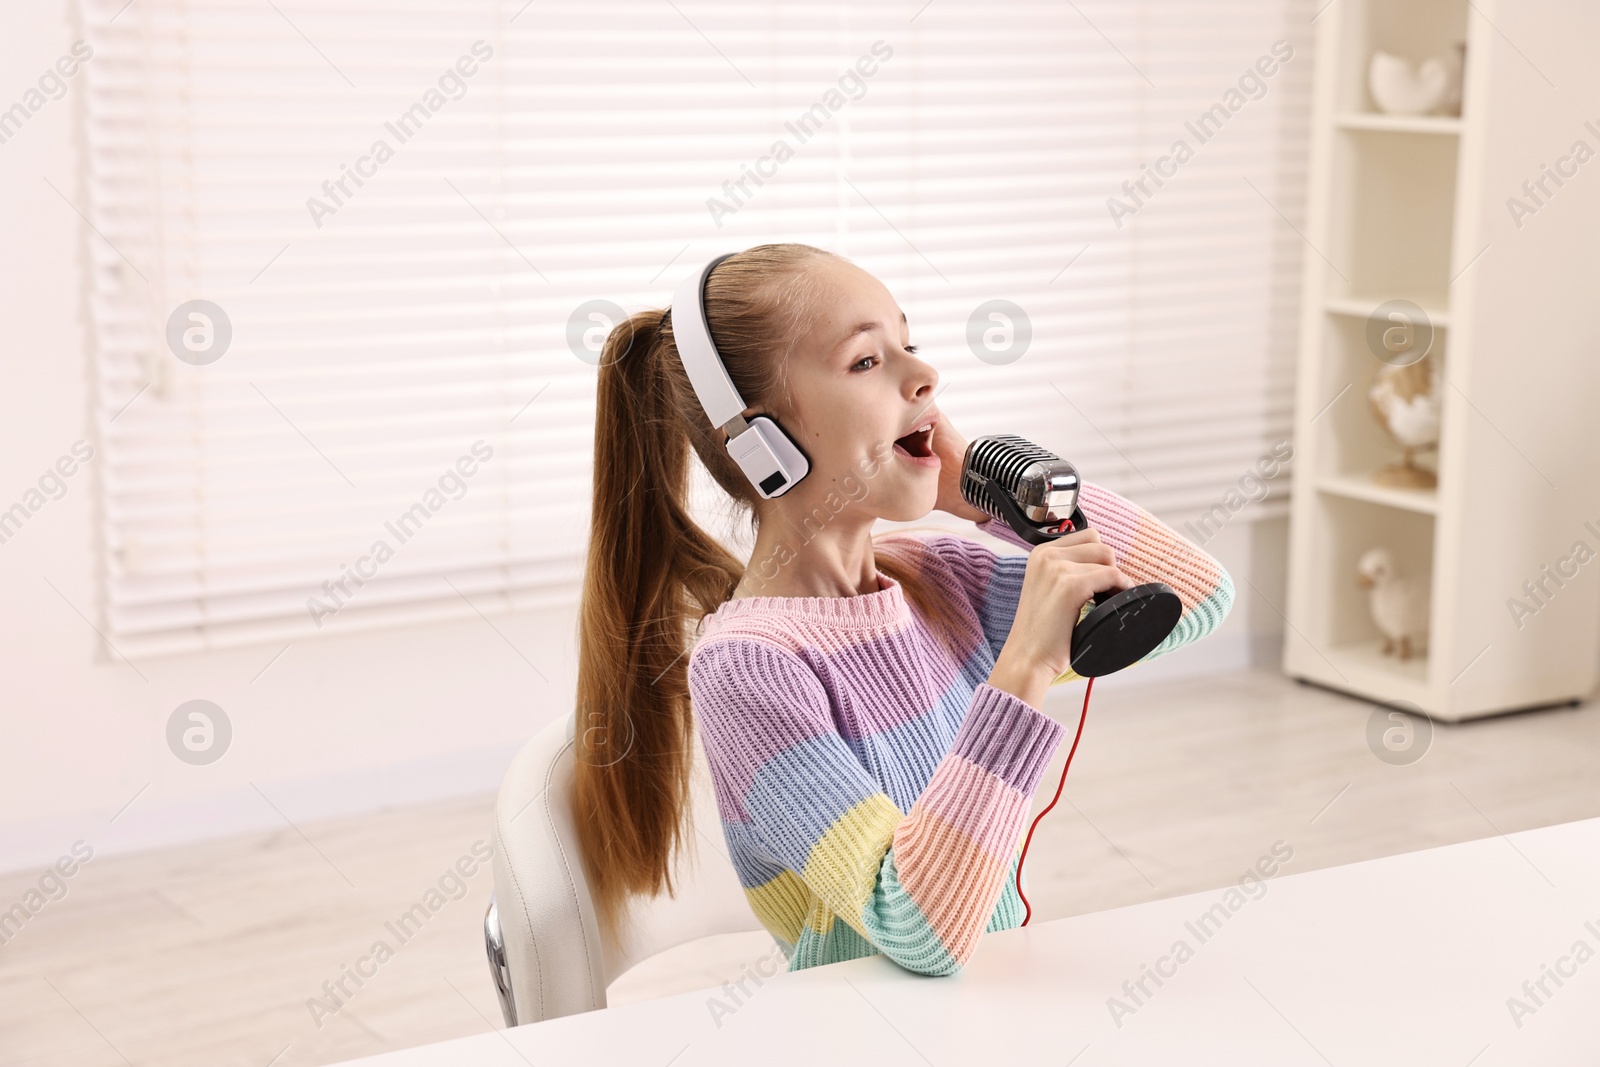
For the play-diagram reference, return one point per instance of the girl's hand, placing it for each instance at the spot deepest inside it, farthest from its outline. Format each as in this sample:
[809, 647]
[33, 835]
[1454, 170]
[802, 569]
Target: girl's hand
[1060, 578]
[951, 448]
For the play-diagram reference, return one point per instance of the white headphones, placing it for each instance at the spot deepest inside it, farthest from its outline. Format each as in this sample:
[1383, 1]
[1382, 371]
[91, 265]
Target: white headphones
[766, 454]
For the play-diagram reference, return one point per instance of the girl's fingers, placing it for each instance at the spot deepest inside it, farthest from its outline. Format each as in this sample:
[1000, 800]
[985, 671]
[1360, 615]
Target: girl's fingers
[1092, 552]
[1077, 537]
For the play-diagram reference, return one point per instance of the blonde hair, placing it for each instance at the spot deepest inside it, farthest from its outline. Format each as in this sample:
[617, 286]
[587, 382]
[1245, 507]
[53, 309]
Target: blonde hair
[652, 573]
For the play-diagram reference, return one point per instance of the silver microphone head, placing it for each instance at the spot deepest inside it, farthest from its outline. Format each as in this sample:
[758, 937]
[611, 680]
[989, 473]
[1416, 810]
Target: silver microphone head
[1043, 485]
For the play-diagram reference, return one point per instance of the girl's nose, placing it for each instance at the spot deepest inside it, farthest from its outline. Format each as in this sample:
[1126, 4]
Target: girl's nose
[922, 380]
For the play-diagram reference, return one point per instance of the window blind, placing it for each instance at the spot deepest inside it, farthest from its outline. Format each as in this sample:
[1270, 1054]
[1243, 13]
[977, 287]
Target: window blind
[343, 259]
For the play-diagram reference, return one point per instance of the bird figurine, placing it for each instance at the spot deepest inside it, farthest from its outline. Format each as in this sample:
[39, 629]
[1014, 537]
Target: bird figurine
[1398, 603]
[1406, 402]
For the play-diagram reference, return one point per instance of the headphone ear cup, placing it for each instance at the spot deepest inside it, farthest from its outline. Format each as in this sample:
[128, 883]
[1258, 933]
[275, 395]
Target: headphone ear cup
[769, 457]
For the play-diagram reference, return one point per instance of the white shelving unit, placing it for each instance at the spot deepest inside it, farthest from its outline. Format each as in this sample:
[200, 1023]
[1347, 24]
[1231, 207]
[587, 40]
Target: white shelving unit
[1415, 208]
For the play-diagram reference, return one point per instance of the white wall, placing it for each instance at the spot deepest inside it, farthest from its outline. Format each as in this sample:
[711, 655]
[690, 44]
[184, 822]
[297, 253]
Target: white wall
[335, 726]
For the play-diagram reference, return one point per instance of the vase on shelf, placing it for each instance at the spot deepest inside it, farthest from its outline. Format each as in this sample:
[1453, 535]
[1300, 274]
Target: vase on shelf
[1431, 88]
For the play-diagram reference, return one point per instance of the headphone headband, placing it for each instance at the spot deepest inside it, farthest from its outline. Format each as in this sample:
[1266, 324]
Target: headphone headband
[767, 455]
[690, 331]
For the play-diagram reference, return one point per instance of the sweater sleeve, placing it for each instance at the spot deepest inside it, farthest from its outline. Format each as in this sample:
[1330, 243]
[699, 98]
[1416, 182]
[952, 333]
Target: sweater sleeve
[919, 886]
[1146, 550]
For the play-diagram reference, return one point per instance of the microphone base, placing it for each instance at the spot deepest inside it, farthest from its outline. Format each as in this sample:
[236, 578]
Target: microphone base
[1124, 628]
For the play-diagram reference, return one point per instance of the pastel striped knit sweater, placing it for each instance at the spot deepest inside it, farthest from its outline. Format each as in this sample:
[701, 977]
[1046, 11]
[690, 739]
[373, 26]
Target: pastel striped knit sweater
[873, 788]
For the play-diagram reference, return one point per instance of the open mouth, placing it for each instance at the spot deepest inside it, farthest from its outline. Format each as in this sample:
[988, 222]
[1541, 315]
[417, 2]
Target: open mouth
[918, 443]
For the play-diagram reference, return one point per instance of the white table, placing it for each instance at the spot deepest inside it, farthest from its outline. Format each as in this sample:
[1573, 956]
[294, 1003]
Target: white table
[1405, 960]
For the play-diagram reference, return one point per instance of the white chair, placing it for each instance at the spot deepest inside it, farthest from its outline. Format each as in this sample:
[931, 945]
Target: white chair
[546, 954]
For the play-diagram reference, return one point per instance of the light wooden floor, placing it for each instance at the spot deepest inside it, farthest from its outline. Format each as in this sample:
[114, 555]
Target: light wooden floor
[207, 955]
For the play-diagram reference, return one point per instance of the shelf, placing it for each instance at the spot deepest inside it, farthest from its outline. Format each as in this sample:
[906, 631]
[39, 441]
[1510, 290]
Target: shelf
[1353, 487]
[1392, 213]
[1362, 307]
[1444, 125]
[1363, 663]
[1361, 670]
[1397, 207]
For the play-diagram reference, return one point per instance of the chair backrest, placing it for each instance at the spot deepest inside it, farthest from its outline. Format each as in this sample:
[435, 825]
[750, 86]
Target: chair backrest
[555, 961]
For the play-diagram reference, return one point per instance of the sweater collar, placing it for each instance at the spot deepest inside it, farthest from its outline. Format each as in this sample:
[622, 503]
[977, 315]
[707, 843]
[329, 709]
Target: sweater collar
[885, 607]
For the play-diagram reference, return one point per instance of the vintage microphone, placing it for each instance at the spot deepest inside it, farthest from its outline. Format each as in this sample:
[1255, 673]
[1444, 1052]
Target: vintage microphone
[1036, 492]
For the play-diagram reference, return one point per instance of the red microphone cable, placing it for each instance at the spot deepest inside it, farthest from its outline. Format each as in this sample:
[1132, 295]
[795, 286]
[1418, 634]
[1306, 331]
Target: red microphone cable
[1082, 717]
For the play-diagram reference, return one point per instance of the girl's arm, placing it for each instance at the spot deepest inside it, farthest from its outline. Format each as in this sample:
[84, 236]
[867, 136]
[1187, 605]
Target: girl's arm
[1146, 550]
[921, 886]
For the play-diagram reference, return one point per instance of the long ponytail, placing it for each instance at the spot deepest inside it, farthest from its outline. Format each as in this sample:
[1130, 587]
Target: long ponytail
[649, 563]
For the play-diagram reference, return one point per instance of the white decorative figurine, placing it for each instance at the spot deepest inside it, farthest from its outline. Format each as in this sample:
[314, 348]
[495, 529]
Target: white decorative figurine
[1399, 603]
[1399, 89]
[1407, 403]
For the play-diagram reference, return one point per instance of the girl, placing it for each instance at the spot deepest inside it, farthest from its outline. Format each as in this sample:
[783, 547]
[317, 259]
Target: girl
[869, 707]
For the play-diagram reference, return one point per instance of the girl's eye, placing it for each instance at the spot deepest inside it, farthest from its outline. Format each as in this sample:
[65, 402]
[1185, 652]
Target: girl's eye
[868, 362]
